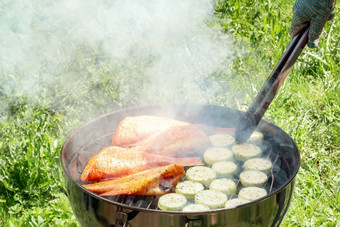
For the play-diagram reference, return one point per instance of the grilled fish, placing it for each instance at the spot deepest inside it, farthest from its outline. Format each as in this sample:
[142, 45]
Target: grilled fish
[113, 162]
[157, 181]
[161, 136]
[177, 141]
[132, 130]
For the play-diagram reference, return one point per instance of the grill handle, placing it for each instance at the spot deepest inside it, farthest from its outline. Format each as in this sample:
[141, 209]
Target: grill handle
[193, 221]
[249, 121]
[123, 217]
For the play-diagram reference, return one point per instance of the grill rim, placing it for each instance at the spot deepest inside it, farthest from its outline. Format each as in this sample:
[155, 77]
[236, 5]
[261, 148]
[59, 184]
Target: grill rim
[180, 106]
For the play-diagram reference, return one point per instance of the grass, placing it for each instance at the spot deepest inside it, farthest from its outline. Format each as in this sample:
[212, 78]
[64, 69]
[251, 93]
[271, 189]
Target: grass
[307, 106]
[32, 130]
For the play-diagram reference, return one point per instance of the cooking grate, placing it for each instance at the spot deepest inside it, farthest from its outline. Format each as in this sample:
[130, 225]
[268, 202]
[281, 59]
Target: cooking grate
[270, 149]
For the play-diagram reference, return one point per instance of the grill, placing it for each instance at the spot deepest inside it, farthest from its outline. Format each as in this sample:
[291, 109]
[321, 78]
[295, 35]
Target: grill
[121, 210]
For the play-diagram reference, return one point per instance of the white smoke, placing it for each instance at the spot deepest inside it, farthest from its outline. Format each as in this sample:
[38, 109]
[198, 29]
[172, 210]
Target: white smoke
[171, 45]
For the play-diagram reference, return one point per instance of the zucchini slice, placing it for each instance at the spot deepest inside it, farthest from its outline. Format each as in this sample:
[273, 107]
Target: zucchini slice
[246, 151]
[256, 137]
[222, 140]
[224, 185]
[172, 202]
[235, 202]
[189, 188]
[217, 154]
[201, 174]
[260, 164]
[195, 207]
[253, 178]
[252, 193]
[224, 169]
[212, 199]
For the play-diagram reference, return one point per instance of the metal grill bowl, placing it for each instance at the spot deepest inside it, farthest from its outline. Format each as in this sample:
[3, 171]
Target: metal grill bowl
[93, 210]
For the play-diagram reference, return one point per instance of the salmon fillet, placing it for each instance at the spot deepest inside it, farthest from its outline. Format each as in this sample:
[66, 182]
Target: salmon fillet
[162, 136]
[157, 181]
[132, 130]
[177, 140]
[113, 162]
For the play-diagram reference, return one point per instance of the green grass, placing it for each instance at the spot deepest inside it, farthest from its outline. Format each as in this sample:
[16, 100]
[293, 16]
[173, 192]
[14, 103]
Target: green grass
[307, 107]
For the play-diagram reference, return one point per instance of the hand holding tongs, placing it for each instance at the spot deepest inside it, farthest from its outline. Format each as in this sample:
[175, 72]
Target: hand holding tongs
[252, 117]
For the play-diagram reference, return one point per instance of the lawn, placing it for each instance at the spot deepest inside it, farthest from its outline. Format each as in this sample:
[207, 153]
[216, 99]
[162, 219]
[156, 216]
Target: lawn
[58, 72]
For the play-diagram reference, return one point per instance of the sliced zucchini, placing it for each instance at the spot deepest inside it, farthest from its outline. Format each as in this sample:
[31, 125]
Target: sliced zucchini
[253, 178]
[201, 174]
[260, 164]
[222, 140]
[246, 151]
[195, 207]
[189, 188]
[235, 202]
[256, 137]
[224, 169]
[172, 202]
[252, 193]
[212, 199]
[224, 185]
[217, 154]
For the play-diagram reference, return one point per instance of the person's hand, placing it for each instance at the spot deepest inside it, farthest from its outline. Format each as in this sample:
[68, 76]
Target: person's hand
[315, 12]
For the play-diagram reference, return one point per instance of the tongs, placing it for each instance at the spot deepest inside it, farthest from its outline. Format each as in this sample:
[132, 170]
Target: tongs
[254, 114]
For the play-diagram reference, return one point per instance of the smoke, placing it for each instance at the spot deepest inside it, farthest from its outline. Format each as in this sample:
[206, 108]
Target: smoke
[168, 49]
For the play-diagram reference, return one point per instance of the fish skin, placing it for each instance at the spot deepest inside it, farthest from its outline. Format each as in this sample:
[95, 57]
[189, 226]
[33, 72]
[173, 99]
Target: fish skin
[113, 162]
[132, 130]
[145, 183]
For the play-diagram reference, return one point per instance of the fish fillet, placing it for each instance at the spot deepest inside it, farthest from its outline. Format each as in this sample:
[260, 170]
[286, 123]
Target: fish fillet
[162, 136]
[132, 130]
[113, 162]
[157, 181]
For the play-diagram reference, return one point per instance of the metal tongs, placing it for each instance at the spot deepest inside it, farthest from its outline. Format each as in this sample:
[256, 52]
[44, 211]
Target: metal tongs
[253, 116]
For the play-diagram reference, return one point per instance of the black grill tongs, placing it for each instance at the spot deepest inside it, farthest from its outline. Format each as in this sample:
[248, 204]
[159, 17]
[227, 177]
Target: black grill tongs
[253, 116]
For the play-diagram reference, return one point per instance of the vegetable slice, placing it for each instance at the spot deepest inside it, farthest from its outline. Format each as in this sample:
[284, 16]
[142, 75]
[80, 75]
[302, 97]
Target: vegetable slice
[222, 140]
[235, 202]
[211, 198]
[253, 178]
[224, 185]
[246, 151]
[224, 168]
[189, 188]
[172, 202]
[252, 193]
[217, 154]
[256, 137]
[201, 174]
[260, 164]
[195, 207]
